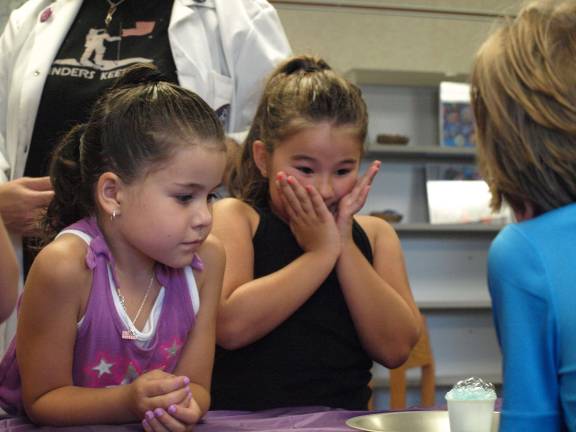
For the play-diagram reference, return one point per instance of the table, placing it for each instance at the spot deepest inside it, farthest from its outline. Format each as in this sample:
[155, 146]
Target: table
[299, 419]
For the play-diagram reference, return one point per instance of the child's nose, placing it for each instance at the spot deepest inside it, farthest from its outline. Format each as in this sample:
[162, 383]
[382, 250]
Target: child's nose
[202, 216]
[325, 188]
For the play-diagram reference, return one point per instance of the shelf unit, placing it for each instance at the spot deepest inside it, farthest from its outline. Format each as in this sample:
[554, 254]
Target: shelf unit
[442, 229]
[446, 263]
[401, 78]
[411, 154]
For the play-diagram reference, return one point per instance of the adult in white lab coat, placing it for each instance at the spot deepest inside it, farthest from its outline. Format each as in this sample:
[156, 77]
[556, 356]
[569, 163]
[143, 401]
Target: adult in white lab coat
[220, 49]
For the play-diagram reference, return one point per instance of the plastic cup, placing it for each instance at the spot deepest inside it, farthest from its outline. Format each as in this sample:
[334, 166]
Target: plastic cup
[471, 405]
[470, 415]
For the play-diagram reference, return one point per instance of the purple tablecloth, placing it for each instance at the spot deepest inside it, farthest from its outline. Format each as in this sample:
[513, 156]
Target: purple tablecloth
[306, 419]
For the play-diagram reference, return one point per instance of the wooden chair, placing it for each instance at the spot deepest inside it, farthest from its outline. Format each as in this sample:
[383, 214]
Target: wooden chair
[420, 357]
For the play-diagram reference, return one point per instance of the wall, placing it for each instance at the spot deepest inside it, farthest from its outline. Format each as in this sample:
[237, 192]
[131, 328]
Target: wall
[443, 41]
[6, 6]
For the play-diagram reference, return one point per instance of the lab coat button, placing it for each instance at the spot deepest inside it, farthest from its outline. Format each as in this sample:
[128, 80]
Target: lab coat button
[36, 72]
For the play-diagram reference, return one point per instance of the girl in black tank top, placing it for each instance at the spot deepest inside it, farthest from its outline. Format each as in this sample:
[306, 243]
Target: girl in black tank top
[312, 294]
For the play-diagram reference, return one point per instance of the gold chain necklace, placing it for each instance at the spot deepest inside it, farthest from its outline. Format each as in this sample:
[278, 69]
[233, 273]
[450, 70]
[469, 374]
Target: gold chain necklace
[113, 6]
[131, 333]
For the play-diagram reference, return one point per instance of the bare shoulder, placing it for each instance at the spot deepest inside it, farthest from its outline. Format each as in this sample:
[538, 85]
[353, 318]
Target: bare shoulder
[213, 256]
[233, 205]
[377, 229]
[233, 213]
[212, 251]
[60, 269]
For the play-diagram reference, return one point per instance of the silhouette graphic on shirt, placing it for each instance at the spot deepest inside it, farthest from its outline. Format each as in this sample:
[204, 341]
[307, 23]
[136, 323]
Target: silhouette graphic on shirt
[97, 42]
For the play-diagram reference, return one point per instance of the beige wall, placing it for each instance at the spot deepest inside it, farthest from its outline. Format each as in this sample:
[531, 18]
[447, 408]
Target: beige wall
[412, 40]
[6, 7]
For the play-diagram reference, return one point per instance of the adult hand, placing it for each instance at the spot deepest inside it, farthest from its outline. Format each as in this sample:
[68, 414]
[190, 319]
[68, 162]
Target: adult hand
[310, 220]
[23, 202]
[351, 203]
[157, 389]
[181, 417]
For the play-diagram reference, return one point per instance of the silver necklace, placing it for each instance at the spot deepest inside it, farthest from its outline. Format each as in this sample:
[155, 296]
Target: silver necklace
[113, 6]
[131, 333]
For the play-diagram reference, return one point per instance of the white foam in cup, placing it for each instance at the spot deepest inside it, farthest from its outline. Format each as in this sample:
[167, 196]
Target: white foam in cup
[470, 405]
[470, 415]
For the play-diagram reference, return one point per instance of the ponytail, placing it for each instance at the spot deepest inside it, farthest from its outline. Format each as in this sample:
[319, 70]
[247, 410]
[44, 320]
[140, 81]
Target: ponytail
[69, 202]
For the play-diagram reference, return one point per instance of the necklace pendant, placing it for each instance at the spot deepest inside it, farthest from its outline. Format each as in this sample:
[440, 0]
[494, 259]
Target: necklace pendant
[128, 335]
[109, 15]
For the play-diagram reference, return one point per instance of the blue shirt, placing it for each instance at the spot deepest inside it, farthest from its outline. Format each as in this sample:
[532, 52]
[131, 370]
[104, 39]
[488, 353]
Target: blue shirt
[532, 281]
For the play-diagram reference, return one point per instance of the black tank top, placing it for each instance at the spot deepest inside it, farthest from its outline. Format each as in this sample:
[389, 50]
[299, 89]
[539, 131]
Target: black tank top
[313, 358]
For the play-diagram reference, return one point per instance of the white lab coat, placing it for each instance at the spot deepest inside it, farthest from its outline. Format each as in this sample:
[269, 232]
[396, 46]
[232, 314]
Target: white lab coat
[223, 51]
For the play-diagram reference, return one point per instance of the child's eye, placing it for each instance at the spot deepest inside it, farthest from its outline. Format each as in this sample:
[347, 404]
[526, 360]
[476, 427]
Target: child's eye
[343, 172]
[184, 198]
[305, 169]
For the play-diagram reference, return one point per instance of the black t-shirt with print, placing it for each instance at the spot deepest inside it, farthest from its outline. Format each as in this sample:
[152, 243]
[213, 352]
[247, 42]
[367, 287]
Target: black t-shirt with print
[91, 57]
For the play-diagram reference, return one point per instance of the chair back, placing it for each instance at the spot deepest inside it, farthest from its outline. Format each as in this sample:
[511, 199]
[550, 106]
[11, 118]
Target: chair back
[420, 357]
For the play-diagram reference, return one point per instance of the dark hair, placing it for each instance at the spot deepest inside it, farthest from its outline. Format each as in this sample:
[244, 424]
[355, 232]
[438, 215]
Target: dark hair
[301, 92]
[524, 100]
[139, 123]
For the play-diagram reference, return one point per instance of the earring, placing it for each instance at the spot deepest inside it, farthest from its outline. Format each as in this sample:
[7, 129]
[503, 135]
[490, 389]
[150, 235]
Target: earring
[114, 214]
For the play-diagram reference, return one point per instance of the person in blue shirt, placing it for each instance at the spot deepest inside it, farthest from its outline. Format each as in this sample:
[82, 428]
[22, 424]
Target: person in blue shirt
[524, 101]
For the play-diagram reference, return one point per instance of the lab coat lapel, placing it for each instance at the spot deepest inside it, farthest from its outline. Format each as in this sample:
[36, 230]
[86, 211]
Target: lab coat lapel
[43, 45]
[183, 32]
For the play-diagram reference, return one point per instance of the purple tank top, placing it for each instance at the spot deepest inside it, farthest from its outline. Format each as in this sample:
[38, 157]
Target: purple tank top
[101, 357]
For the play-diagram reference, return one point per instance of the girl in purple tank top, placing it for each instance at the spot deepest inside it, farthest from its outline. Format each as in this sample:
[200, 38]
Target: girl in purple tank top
[117, 320]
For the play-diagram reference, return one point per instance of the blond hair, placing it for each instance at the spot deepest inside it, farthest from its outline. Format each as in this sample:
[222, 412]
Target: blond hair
[524, 99]
[302, 92]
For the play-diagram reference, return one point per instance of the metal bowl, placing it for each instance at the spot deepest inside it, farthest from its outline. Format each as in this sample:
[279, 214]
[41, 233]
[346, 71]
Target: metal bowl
[408, 421]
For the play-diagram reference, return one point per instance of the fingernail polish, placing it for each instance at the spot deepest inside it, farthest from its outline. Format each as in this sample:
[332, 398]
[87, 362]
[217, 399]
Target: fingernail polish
[158, 412]
[145, 423]
[149, 415]
[172, 409]
[186, 380]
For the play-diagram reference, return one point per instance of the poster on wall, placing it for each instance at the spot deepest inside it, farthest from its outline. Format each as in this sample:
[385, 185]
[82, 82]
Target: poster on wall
[455, 115]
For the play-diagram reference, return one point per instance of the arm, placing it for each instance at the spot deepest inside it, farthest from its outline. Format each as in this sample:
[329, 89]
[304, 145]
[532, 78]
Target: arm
[379, 296]
[23, 202]
[251, 308]
[197, 357]
[526, 327]
[9, 274]
[56, 292]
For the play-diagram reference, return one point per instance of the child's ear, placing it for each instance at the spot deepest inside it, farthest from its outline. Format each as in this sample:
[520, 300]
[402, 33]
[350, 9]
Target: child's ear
[260, 156]
[109, 193]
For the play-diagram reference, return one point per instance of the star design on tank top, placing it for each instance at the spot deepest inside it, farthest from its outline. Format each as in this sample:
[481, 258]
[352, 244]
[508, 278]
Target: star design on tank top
[173, 350]
[103, 367]
[130, 375]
